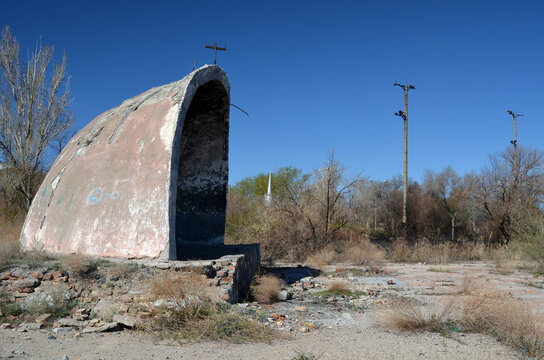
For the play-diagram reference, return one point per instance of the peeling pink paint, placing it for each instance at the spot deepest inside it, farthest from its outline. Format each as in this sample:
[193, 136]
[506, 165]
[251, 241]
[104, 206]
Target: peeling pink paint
[110, 192]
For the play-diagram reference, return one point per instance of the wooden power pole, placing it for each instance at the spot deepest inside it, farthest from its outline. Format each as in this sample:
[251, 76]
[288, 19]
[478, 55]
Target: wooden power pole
[515, 143]
[404, 116]
[215, 48]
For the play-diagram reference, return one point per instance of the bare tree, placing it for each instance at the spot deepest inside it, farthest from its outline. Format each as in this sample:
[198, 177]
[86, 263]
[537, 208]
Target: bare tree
[333, 195]
[34, 111]
[451, 190]
[505, 187]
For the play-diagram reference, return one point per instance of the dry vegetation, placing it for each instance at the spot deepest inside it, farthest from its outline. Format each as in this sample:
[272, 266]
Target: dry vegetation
[266, 288]
[188, 313]
[326, 217]
[475, 308]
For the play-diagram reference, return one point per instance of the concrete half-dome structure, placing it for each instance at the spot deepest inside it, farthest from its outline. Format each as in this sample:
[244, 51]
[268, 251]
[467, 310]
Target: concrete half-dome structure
[143, 179]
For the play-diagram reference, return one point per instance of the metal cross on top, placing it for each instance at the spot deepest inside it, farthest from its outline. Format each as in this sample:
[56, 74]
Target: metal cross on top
[215, 48]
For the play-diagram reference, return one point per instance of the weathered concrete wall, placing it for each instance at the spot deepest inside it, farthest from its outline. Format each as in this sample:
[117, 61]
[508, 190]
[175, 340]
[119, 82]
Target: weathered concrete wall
[141, 175]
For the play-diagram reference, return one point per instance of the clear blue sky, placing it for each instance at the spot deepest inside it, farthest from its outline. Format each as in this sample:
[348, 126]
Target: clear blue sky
[317, 75]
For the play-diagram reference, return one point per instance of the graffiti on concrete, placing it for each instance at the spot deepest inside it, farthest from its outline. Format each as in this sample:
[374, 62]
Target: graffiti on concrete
[97, 195]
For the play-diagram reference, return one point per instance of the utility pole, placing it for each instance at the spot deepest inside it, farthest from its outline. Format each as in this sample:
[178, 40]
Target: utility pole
[404, 116]
[215, 48]
[515, 143]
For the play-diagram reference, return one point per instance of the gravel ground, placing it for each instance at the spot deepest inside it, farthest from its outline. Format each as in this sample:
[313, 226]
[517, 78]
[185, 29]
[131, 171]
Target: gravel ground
[338, 343]
[343, 327]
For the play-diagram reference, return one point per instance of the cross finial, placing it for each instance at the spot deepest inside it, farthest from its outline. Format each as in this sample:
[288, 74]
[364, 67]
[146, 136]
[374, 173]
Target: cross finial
[215, 48]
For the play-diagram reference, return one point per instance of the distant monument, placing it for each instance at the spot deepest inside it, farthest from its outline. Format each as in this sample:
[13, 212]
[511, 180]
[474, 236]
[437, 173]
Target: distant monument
[142, 180]
[268, 195]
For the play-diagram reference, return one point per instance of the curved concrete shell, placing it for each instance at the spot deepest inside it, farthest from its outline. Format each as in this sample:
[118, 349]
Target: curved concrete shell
[143, 179]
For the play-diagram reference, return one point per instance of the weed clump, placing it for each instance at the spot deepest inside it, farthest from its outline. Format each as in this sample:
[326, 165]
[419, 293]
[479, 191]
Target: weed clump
[485, 311]
[266, 288]
[187, 313]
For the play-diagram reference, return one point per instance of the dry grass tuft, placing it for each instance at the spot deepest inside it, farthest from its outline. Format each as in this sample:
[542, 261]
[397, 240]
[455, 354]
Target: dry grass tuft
[123, 270]
[266, 288]
[187, 292]
[447, 252]
[476, 308]
[189, 314]
[405, 315]
[76, 263]
[321, 257]
[338, 286]
[360, 251]
[9, 251]
[510, 320]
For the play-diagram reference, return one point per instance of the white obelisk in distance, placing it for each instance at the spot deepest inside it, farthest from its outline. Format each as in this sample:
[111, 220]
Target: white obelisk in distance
[268, 196]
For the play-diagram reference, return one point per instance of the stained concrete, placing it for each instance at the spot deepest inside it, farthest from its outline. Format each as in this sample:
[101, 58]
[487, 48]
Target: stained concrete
[143, 179]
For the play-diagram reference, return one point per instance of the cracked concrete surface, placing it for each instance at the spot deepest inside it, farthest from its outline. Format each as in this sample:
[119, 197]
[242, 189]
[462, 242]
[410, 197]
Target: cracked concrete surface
[135, 181]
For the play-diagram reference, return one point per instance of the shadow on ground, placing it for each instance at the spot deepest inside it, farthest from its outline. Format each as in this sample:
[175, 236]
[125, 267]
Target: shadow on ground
[292, 274]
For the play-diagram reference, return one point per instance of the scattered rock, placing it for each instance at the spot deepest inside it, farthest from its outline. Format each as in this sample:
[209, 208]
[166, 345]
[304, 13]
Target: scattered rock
[285, 295]
[58, 274]
[24, 327]
[28, 282]
[68, 322]
[43, 318]
[58, 330]
[65, 357]
[18, 352]
[125, 320]
[105, 309]
[5, 326]
[301, 308]
[112, 326]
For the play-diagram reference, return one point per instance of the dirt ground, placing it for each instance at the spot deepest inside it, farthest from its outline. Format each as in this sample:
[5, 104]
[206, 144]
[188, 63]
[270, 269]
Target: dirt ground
[340, 327]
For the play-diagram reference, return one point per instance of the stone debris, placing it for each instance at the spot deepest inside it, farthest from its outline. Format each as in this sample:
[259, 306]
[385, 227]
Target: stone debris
[125, 320]
[111, 326]
[24, 327]
[62, 329]
[43, 318]
[306, 304]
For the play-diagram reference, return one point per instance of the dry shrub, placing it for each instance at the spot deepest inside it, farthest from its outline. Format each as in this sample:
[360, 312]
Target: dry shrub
[361, 252]
[190, 314]
[476, 308]
[321, 257]
[467, 285]
[405, 315]
[10, 248]
[76, 263]
[266, 288]
[225, 325]
[185, 292]
[510, 320]
[123, 270]
[400, 251]
[447, 252]
[9, 251]
[338, 286]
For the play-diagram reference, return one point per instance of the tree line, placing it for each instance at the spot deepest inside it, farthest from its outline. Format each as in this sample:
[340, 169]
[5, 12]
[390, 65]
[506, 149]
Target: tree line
[312, 211]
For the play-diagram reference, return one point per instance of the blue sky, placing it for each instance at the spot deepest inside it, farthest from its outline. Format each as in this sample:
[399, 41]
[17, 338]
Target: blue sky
[317, 76]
